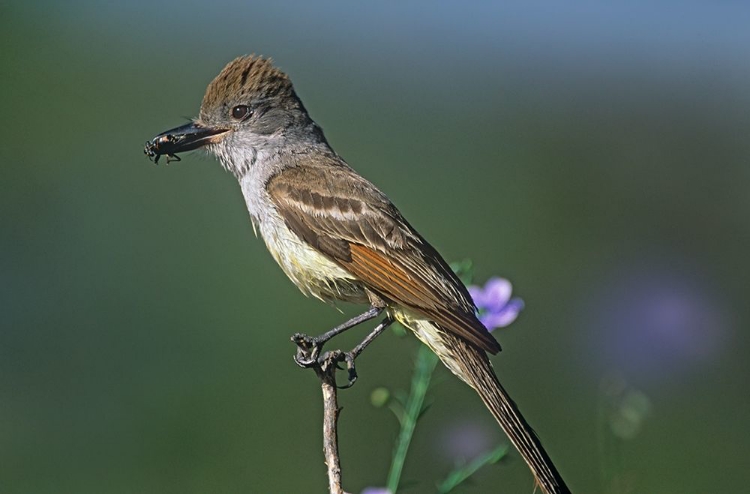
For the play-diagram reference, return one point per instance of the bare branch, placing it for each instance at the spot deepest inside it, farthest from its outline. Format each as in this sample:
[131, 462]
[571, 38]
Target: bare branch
[325, 366]
[327, 375]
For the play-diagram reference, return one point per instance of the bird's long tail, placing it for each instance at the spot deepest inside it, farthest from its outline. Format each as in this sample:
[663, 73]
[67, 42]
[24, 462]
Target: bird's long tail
[473, 367]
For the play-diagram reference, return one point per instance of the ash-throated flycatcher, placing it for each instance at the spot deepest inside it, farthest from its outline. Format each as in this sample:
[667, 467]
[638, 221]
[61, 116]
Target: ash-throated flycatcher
[338, 237]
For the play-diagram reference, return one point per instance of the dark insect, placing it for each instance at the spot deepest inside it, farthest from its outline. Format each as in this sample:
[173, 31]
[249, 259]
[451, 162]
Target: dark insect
[161, 145]
[192, 135]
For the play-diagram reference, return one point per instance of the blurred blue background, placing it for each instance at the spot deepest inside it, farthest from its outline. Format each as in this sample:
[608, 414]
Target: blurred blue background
[595, 155]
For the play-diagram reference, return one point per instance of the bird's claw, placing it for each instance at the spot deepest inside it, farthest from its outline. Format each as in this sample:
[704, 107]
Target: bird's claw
[351, 370]
[336, 357]
[309, 355]
[308, 350]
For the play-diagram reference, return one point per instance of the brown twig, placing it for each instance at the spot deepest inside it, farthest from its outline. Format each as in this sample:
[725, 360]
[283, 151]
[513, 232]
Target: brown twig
[325, 368]
[327, 375]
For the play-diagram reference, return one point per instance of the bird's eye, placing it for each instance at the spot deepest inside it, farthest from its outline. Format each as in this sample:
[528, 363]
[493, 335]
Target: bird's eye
[240, 112]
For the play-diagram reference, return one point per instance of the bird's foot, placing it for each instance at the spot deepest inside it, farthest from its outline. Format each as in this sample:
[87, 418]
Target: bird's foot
[308, 350]
[309, 355]
[337, 357]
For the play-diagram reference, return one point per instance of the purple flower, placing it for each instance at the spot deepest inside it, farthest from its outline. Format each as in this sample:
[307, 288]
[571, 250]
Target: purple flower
[656, 322]
[376, 490]
[496, 308]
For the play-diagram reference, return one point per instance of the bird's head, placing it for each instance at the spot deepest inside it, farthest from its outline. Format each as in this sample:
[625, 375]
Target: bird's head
[249, 108]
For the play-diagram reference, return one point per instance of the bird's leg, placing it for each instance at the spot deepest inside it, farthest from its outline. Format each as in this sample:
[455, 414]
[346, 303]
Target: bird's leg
[309, 347]
[370, 337]
[350, 356]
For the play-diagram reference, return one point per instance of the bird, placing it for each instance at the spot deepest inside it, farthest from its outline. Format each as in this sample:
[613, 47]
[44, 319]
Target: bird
[339, 238]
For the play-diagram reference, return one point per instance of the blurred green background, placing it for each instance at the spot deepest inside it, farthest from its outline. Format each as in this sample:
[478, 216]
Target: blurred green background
[597, 156]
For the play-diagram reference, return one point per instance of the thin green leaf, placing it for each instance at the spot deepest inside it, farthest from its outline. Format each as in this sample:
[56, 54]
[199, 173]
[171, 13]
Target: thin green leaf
[464, 269]
[398, 411]
[460, 474]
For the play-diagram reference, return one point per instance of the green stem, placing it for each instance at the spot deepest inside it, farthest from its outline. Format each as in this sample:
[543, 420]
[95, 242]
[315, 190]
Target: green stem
[425, 364]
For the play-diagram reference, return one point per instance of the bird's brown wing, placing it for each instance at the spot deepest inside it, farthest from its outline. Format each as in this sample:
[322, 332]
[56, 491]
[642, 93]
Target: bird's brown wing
[349, 220]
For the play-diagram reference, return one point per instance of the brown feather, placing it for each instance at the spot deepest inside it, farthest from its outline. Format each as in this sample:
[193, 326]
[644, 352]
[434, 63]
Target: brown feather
[474, 367]
[356, 226]
[393, 281]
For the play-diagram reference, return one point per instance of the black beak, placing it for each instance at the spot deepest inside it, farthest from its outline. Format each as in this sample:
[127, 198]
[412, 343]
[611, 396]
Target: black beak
[180, 139]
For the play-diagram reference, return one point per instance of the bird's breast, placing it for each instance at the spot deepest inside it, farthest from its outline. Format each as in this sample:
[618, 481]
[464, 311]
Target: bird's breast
[312, 272]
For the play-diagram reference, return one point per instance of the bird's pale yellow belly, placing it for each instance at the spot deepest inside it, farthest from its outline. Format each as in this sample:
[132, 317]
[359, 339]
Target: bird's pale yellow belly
[312, 272]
